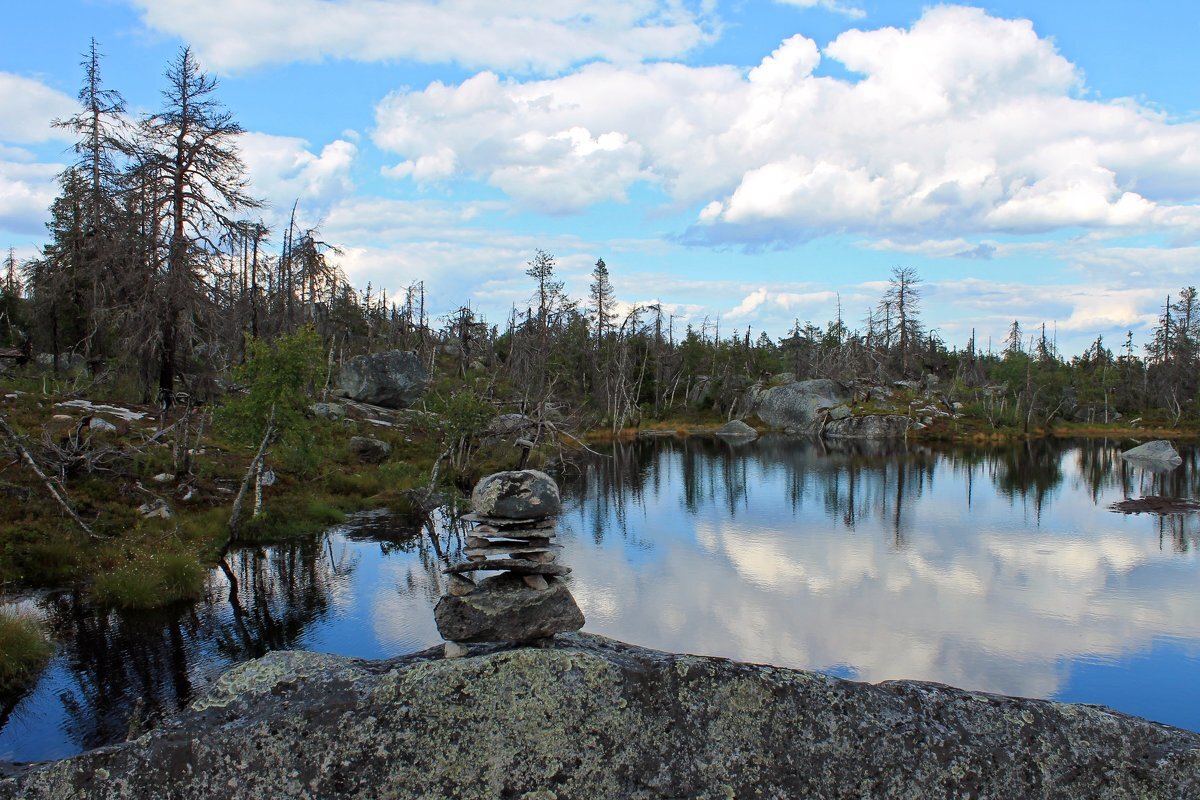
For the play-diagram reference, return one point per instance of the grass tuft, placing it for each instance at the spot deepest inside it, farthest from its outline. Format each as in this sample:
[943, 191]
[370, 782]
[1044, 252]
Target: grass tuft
[24, 650]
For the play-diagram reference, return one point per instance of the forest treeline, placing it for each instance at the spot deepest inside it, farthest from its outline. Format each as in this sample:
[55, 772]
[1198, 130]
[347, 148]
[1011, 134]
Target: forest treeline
[159, 270]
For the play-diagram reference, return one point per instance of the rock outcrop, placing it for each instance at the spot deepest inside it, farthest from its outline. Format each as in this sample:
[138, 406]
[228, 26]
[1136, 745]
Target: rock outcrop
[1159, 451]
[584, 717]
[869, 426]
[394, 379]
[795, 405]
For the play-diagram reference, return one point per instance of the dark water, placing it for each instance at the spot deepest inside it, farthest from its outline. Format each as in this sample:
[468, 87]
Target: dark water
[998, 569]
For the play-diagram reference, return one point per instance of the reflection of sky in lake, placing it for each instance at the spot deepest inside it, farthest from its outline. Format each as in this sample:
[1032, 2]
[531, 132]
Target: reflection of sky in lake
[999, 570]
[1004, 573]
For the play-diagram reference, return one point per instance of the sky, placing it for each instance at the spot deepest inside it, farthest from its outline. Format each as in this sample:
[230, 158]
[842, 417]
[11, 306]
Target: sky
[744, 164]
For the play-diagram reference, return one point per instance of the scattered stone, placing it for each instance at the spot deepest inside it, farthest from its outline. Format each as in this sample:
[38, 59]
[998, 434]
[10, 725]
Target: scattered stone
[517, 495]
[1159, 450]
[504, 608]
[460, 586]
[369, 449]
[538, 582]
[97, 424]
[839, 412]
[112, 411]
[268, 477]
[736, 429]
[163, 477]
[333, 411]
[455, 650]
[62, 418]
[395, 379]
[156, 509]
[509, 424]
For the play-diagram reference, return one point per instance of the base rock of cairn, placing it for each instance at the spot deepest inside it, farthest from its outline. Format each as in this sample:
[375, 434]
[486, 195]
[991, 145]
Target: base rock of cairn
[503, 608]
[513, 534]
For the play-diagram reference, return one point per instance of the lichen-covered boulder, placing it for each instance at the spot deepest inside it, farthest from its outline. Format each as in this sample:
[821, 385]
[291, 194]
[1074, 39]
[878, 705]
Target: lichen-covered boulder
[869, 426]
[736, 429]
[394, 379]
[795, 405]
[516, 494]
[1160, 451]
[581, 716]
[504, 608]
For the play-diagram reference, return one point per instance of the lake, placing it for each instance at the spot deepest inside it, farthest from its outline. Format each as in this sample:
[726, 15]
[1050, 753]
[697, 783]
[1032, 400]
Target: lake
[999, 569]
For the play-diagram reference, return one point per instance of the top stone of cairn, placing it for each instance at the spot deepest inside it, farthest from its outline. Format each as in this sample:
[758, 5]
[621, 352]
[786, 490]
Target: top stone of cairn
[524, 494]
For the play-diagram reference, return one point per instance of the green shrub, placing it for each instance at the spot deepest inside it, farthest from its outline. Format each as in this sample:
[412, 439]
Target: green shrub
[24, 650]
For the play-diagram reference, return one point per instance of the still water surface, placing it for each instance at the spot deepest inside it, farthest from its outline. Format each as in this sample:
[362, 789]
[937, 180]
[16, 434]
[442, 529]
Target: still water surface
[994, 569]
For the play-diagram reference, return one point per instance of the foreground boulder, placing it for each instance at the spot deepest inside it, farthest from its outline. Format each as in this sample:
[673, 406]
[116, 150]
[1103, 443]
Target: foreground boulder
[1160, 451]
[516, 494]
[795, 405]
[394, 379]
[588, 717]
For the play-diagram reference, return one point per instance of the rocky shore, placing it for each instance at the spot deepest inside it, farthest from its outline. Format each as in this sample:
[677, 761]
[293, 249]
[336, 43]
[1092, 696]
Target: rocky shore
[580, 716]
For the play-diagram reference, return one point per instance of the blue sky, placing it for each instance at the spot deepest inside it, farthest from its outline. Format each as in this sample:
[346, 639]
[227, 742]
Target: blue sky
[746, 162]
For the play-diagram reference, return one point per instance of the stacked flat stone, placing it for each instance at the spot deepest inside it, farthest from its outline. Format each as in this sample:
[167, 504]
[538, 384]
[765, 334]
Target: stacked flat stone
[513, 530]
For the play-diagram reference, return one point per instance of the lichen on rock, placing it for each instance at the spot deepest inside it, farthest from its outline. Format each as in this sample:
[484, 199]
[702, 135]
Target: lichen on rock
[582, 716]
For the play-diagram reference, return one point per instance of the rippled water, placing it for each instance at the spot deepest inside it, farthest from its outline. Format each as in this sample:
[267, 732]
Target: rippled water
[999, 569]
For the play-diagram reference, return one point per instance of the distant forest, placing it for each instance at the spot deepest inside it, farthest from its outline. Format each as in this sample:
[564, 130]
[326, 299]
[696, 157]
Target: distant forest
[158, 271]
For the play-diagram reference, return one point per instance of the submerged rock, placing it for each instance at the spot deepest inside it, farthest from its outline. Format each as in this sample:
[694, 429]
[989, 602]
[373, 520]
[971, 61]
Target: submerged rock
[517, 494]
[1160, 451]
[506, 608]
[394, 379]
[584, 716]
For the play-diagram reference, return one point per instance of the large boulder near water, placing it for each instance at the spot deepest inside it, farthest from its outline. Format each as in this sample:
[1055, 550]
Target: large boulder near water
[869, 426]
[795, 405]
[394, 379]
[504, 608]
[585, 717]
[1159, 451]
[516, 494]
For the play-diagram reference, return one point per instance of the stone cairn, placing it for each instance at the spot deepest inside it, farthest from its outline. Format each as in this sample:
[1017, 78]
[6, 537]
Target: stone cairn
[513, 534]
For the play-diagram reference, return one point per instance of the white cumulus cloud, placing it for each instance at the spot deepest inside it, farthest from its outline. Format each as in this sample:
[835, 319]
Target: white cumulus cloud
[961, 125]
[521, 35]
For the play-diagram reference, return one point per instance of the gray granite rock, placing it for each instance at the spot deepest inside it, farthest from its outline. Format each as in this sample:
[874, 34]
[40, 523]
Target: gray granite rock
[504, 608]
[395, 379]
[1160, 451]
[582, 716]
[736, 429]
[870, 426]
[369, 449]
[795, 405]
[520, 566]
[525, 494]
